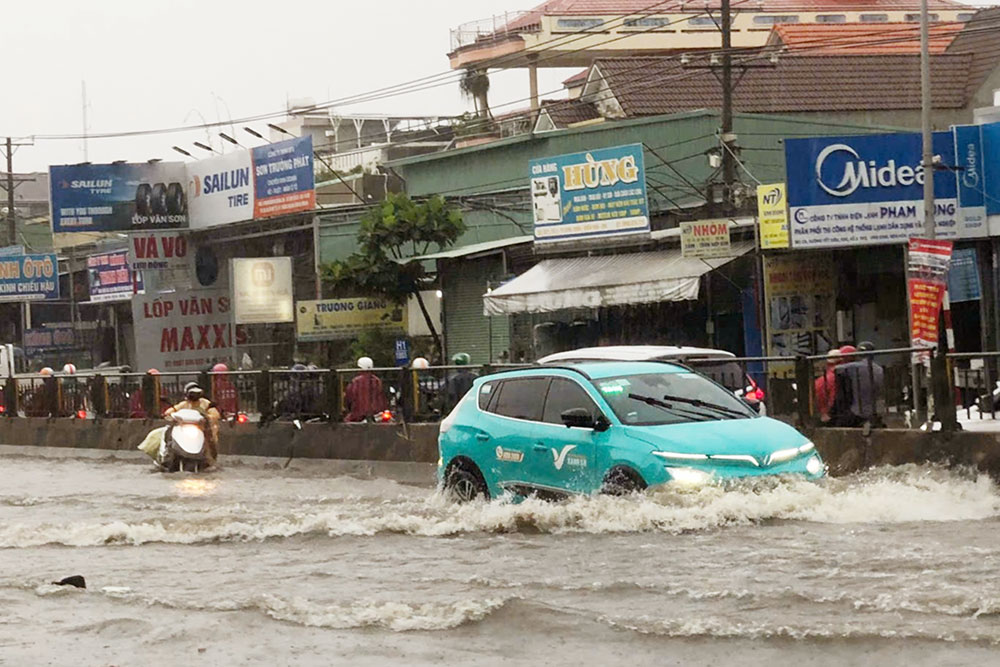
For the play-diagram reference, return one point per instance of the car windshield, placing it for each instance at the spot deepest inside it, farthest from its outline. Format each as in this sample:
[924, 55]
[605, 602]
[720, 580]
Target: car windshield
[650, 399]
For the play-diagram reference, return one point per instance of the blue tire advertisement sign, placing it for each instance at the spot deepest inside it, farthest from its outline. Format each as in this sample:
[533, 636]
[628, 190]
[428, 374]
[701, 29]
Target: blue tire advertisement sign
[868, 189]
[118, 197]
[29, 277]
[594, 194]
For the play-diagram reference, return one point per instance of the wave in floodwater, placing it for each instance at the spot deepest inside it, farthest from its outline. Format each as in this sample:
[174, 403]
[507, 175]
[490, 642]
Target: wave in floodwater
[885, 495]
[439, 615]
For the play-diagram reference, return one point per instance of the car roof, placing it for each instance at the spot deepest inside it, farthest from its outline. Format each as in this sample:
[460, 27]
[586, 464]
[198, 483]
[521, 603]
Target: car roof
[595, 370]
[636, 353]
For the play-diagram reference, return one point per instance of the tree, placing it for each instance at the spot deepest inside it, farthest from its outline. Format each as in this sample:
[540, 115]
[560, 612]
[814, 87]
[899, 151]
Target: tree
[475, 85]
[391, 235]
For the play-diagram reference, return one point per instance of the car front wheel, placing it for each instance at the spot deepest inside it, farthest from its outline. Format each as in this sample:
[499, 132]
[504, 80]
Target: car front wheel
[622, 481]
[464, 485]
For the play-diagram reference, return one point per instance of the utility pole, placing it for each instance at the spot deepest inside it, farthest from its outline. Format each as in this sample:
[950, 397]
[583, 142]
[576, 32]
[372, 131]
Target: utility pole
[727, 137]
[11, 223]
[925, 121]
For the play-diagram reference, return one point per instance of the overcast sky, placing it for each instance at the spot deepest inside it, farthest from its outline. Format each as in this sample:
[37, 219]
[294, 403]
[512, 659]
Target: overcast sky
[164, 64]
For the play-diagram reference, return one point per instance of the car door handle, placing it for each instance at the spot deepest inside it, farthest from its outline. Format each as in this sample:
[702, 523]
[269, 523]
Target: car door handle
[540, 448]
[482, 437]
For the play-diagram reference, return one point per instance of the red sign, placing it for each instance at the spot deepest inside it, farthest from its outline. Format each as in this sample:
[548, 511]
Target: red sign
[927, 273]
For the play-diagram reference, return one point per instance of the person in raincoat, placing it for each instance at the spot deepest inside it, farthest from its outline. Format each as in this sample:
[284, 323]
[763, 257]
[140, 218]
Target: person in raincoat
[194, 399]
[364, 396]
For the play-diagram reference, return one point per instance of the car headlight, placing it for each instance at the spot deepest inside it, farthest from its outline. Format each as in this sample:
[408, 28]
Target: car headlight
[814, 466]
[689, 476]
[788, 454]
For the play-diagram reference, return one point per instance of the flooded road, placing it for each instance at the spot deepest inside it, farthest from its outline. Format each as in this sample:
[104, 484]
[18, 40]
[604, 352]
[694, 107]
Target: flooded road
[262, 565]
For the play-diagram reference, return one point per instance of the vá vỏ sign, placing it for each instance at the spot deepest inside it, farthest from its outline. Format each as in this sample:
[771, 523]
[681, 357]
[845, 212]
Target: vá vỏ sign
[330, 319]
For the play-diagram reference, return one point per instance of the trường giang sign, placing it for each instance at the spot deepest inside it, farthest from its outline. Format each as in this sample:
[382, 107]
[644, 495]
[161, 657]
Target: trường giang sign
[29, 277]
[593, 194]
[117, 197]
[346, 318]
[868, 189]
[262, 290]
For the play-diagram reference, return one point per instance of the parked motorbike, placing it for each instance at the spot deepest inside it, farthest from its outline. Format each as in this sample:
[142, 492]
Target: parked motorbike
[183, 447]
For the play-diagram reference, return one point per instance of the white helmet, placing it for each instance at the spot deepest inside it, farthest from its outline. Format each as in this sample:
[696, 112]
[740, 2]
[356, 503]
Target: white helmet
[366, 363]
[69, 369]
[420, 364]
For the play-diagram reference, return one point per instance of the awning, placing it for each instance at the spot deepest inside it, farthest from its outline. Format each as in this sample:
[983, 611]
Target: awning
[608, 280]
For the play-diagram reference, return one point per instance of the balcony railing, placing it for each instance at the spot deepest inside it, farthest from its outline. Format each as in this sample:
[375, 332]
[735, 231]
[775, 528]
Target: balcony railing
[488, 28]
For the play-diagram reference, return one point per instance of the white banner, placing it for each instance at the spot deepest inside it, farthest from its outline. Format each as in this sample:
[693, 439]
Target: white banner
[262, 290]
[220, 190]
[187, 330]
[866, 223]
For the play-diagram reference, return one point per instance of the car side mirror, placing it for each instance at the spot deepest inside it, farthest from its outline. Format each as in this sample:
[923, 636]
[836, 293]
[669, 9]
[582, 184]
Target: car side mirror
[582, 418]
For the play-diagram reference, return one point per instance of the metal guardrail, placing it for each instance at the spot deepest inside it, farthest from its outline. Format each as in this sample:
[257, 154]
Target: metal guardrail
[885, 384]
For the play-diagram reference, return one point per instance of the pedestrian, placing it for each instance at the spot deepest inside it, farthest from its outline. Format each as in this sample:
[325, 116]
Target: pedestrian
[860, 387]
[364, 396]
[459, 384]
[825, 386]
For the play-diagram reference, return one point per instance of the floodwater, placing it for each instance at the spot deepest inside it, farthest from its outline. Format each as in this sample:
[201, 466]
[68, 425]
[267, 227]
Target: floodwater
[261, 565]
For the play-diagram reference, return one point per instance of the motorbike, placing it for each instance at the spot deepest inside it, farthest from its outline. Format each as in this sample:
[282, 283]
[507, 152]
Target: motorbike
[183, 446]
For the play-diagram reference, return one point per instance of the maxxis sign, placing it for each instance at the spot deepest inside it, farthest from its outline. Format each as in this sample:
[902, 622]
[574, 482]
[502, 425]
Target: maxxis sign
[117, 197]
[183, 330]
[263, 182]
[868, 189]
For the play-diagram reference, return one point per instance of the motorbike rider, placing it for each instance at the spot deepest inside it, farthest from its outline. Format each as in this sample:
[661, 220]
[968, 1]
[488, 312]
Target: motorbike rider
[364, 396]
[194, 399]
[458, 384]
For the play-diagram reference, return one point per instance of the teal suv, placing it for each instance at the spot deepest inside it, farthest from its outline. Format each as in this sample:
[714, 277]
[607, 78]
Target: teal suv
[611, 427]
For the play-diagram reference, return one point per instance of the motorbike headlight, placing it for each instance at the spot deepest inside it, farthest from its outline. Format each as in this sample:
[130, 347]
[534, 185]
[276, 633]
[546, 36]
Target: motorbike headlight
[814, 466]
[689, 476]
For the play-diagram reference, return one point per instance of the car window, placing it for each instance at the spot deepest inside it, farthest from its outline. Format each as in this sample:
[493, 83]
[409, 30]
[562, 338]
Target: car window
[565, 395]
[669, 398]
[727, 373]
[522, 398]
[486, 391]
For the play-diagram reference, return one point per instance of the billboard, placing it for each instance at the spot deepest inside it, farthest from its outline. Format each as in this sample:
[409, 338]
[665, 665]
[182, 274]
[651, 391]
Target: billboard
[283, 178]
[29, 277]
[800, 306]
[262, 290]
[594, 194]
[867, 190]
[265, 181]
[110, 277]
[969, 171]
[330, 319]
[37, 341]
[772, 213]
[187, 330]
[705, 239]
[117, 197]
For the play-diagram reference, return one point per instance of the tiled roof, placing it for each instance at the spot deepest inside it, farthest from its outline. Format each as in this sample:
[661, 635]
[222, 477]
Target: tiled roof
[980, 39]
[622, 7]
[796, 83]
[566, 112]
[846, 38]
[577, 79]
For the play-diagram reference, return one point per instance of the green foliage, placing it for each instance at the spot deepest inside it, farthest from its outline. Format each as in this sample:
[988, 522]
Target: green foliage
[389, 236]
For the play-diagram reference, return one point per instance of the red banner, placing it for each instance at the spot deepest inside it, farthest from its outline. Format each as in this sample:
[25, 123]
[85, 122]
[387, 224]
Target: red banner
[927, 277]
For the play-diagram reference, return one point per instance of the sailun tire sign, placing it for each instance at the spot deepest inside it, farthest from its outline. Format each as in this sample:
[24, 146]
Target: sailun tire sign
[868, 189]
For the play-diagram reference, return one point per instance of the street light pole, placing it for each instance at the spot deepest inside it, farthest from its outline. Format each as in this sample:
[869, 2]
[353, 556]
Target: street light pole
[927, 160]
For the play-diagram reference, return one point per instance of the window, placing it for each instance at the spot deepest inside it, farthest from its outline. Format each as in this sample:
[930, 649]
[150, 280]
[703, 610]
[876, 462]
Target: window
[521, 399]
[579, 24]
[486, 391]
[964, 16]
[565, 395]
[831, 18]
[774, 20]
[916, 17]
[647, 22]
[874, 18]
[669, 398]
[702, 21]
